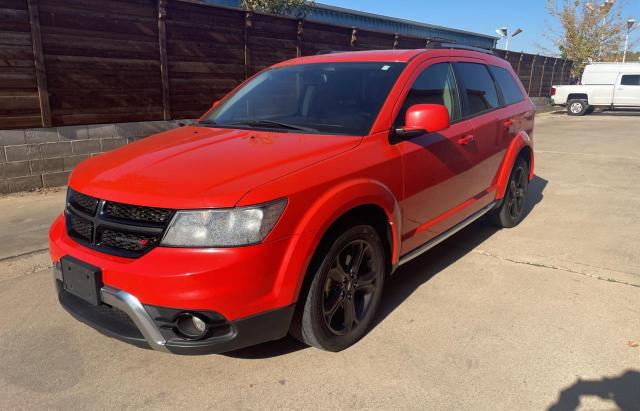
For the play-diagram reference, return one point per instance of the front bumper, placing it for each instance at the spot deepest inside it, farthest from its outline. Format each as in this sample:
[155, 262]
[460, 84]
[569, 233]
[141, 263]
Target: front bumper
[122, 316]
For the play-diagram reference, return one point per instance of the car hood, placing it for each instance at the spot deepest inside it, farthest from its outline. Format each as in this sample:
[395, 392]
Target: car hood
[198, 167]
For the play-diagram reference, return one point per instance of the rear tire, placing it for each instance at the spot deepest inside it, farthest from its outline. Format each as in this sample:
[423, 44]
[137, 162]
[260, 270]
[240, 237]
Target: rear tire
[511, 212]
[577, 107]
[338, 307]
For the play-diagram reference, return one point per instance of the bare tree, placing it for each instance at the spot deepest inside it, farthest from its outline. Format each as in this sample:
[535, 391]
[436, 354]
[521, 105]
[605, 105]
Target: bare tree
[585, 31]
[298, 7]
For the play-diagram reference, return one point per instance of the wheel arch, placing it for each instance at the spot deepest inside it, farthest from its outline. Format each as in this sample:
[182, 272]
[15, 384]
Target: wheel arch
[372, 214]
[577, 96]
[521, 147]
[362, 200]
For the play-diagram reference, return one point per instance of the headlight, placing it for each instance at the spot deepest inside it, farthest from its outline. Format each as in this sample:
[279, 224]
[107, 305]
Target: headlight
[229, 227]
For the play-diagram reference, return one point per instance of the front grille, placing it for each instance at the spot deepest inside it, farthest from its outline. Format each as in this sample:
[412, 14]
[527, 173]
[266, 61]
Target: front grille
[137, 213]
[79, 227]
[128, 241]
[120, 229]
[83, 202]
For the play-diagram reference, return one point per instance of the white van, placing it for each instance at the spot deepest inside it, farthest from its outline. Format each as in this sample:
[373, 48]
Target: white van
[605, 85]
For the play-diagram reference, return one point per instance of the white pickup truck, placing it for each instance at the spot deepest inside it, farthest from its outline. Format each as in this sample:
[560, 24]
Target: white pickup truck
[604, 85]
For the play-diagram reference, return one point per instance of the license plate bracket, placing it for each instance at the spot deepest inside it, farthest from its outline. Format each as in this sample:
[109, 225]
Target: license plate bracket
[81, 279]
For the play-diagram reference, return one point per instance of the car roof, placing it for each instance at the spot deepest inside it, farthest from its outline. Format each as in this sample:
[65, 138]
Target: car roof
[395, 56]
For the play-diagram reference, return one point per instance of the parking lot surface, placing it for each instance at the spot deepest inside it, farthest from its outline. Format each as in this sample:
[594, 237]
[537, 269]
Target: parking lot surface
[545, 315]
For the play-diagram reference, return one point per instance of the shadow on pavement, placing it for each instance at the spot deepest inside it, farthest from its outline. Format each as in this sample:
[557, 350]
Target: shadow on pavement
[417, 272]
[620, 112]
[286, 345]
[409, 277]
[623, 390]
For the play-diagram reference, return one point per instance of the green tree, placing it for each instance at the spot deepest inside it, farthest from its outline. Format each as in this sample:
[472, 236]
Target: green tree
[586, 31]
[298, 7]
[633, 56]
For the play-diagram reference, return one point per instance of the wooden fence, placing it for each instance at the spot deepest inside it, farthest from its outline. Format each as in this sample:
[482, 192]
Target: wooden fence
[66, 62]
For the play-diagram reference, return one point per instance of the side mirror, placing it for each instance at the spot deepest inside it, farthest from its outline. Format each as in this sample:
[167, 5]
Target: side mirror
[424, 118]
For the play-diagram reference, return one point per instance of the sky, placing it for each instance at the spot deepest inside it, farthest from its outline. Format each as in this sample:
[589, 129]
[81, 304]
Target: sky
[481, 16]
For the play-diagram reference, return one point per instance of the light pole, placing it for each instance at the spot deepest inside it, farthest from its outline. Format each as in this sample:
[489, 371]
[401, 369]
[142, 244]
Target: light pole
[630, 23]
[503, 32]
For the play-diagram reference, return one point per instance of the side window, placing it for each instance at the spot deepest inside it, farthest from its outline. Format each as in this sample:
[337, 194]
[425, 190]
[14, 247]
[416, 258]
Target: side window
[477, 89]
[511, 92]
[435, 85]
[630, 80]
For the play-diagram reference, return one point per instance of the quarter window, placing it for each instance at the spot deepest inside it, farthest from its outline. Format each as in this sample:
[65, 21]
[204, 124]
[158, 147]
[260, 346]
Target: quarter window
[435, 85]
[511, 92]
[630, 80]
[476, 88]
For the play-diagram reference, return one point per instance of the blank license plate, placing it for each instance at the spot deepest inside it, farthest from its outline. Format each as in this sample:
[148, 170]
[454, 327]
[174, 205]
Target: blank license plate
[81, 279]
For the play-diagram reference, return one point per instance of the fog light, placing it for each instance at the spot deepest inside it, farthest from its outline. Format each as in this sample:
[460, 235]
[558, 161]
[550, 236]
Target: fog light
[199, 324]
[191, 326]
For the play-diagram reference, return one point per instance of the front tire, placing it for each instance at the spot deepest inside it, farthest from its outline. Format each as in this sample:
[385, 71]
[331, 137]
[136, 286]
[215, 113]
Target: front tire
[340, 304]
[511, 212]
[577, 107]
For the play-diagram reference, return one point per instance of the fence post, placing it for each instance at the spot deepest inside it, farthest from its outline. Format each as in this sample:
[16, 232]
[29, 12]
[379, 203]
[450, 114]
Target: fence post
[38, 56]
[354, 37]
[164, 69]
[544, 66]
[564, 62]
[519, 62]
[299, 38]
[396, 41]
[247, 57]
[553, 70]
[533, 65]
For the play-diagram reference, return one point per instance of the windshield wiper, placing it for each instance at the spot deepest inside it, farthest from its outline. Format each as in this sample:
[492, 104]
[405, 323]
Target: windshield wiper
[207, 123]
[273, 124]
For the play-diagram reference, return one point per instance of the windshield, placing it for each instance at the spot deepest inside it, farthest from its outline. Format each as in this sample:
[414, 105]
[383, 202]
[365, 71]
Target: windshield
[328, 98]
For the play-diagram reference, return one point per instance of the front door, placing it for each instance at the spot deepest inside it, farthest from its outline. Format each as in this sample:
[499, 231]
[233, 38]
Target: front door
[627, 92]
[438, 167]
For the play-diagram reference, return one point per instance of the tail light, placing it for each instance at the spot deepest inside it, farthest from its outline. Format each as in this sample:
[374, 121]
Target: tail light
[553, 91]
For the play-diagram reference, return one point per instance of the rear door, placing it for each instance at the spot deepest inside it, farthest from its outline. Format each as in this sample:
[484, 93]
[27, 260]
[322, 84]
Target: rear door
[627, 92]
[492, 123]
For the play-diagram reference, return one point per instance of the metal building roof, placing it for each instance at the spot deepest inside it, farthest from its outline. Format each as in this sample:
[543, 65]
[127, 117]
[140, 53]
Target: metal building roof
[325, 13]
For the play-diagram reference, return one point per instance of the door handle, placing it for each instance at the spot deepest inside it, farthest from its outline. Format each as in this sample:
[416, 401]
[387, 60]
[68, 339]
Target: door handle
[508, 123]
[466, 139]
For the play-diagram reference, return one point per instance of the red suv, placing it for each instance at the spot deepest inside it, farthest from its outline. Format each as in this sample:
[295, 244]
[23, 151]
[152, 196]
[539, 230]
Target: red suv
[287, 205]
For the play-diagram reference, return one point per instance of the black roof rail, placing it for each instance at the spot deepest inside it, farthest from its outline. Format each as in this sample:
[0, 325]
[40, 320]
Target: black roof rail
[432, 44]
[321, 52]
[455, 46]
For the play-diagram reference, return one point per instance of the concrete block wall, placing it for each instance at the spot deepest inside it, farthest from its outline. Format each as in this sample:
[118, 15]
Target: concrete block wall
[40, 158]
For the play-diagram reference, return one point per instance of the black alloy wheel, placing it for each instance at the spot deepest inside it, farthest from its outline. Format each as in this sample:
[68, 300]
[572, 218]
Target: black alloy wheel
[346, 279]
[349, 287]
[517, 193]
[512, 209]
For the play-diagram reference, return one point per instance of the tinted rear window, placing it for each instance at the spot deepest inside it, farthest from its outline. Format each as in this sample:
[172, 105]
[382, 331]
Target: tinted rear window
[476, 87]
[508, 86]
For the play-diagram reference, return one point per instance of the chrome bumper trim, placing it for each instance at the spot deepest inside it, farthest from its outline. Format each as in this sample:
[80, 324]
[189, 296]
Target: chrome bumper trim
[128, 303]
